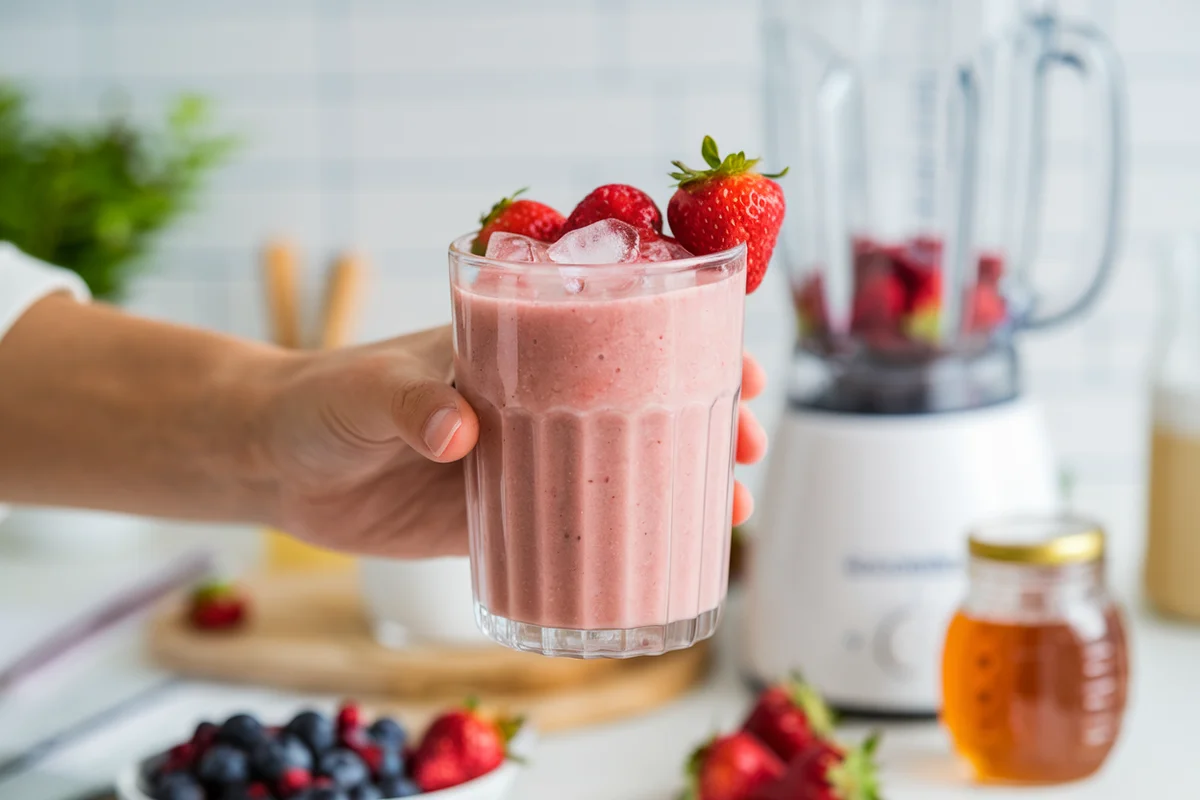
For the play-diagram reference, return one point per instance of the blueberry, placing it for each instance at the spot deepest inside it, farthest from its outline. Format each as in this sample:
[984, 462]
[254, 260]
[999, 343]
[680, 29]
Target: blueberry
[242, 730]
[366, 791]
[397, 786]
[270, 759]
[322, 793]
[390, 762]
[343, 767]
[315, 730]
[177, 786]
[387, 732]
[295, 751]
[223, 764]
[234, 791]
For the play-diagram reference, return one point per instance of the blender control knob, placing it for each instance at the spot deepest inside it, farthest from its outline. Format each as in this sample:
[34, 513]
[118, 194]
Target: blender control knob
[899, 642]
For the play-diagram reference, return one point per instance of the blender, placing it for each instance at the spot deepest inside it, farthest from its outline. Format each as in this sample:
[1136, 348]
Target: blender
[916, 135]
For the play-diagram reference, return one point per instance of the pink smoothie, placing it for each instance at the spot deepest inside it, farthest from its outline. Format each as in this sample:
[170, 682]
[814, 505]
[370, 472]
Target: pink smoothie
[600, 492]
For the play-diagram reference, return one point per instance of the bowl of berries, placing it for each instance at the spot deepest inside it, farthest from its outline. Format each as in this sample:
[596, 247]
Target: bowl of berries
[462, 755]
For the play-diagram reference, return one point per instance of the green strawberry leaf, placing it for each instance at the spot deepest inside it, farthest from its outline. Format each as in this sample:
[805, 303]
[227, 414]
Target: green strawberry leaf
[820, 716]
[732, 164]
[856, 778]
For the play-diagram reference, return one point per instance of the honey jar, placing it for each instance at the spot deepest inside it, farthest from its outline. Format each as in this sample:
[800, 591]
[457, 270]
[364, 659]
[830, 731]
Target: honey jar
[1035, 666]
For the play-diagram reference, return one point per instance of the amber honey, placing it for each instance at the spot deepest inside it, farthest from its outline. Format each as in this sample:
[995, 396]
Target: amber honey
[1038, 703]
[1035, 665]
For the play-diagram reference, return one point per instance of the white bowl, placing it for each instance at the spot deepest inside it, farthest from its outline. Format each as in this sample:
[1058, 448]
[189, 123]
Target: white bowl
[427, 600]
[493, 786]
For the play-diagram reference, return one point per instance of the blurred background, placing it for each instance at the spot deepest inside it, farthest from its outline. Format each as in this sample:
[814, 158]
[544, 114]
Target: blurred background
[389, 126]
[386, 127]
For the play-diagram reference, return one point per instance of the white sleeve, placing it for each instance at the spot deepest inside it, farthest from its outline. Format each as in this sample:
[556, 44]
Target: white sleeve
[24, 280]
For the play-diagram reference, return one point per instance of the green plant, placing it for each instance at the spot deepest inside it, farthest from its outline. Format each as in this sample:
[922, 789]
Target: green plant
[91, 198]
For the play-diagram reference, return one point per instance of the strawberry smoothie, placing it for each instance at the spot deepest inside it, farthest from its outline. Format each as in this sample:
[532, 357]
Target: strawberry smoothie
[599, 494]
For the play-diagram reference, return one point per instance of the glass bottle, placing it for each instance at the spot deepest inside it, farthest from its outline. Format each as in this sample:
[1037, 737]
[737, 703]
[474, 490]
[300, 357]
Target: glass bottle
[1035, 666]
[1172, 561]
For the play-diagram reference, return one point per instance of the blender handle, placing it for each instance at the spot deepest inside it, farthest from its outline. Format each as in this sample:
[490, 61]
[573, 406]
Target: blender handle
[1086, 51]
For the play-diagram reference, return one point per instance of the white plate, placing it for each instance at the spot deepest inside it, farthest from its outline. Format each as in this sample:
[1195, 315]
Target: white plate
[493, 786]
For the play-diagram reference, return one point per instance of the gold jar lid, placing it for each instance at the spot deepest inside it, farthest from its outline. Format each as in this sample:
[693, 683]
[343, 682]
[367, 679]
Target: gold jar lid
[1042, 541]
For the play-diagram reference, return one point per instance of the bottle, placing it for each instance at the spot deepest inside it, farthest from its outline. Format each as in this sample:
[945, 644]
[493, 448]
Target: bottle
[1172, 558]
[1035, 666]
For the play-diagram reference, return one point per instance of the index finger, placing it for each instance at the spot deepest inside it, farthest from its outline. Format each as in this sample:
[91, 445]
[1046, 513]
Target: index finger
[754, 379]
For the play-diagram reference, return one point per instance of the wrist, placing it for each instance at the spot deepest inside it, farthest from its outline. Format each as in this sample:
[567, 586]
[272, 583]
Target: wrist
[243, 395]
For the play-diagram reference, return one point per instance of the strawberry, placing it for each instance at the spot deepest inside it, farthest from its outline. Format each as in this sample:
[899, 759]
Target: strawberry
[460, 745]
[789, 717]
[824, 772]
[731, 768]
[878, 300]
[618, 201]
[985, 308]
[811, 312]
[726, 205]
[991, 267]
[217, 605]
[923, 314]
[526, 217]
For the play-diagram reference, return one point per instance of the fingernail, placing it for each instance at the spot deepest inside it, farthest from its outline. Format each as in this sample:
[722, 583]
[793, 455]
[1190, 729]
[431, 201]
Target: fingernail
[440, 429]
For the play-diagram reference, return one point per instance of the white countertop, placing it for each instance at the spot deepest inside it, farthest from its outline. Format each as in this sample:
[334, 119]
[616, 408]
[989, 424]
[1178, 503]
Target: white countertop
[637, 759]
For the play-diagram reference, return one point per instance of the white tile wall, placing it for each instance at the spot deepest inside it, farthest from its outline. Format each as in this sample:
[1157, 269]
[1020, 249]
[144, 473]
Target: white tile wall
[387, 125]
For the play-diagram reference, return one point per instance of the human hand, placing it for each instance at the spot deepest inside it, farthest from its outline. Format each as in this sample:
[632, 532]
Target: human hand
[362, 445]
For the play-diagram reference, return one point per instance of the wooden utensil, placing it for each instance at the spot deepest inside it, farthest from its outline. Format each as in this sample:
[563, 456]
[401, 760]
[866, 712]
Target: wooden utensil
[281, 279]
[342, 294]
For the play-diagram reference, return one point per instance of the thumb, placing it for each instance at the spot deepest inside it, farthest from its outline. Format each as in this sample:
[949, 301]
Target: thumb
[432, 418]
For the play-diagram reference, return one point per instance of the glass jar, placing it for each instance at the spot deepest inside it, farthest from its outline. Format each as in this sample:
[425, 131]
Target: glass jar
[1035, 667]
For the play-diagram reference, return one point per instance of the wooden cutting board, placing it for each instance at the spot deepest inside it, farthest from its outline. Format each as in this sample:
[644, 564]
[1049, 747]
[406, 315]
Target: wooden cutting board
[309, 632]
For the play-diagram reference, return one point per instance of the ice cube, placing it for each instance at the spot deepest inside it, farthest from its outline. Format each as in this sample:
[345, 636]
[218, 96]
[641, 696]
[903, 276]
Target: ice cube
[608, 241]
[662, 250]
[504, 246]
[572, 283]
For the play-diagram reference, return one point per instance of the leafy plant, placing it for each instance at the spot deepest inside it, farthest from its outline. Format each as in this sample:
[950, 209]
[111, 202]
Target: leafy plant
[91, 198]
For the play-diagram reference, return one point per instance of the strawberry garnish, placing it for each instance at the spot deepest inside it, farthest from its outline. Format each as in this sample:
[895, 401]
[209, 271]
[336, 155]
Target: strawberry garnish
[217, 605]
[727, 205]
[618, 201]
[526, 217]
[824, 772]
[731, 768]
[461, 745]
[789, 718]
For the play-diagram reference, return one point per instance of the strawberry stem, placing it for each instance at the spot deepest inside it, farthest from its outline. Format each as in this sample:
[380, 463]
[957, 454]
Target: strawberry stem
[500, 205]
[820, 716]
[732, 164]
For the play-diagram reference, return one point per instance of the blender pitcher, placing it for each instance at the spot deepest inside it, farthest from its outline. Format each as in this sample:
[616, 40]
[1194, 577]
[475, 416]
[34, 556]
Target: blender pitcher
[916, 150]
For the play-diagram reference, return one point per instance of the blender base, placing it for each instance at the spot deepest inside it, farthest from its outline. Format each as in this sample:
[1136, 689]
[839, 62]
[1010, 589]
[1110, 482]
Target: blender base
[857, 562]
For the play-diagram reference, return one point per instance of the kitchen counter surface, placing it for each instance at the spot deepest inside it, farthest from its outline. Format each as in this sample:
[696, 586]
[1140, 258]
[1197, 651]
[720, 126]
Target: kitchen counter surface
[638, 759]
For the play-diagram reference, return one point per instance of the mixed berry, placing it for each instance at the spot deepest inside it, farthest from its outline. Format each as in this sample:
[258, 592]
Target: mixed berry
[712, 210]
[897, 299]
[317, 757]
[784, 750]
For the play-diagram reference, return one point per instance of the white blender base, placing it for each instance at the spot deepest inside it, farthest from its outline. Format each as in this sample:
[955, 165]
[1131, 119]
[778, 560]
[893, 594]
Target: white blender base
[859, 553]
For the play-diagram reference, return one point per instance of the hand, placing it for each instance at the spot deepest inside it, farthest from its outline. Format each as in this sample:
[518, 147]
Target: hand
[363, 445]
